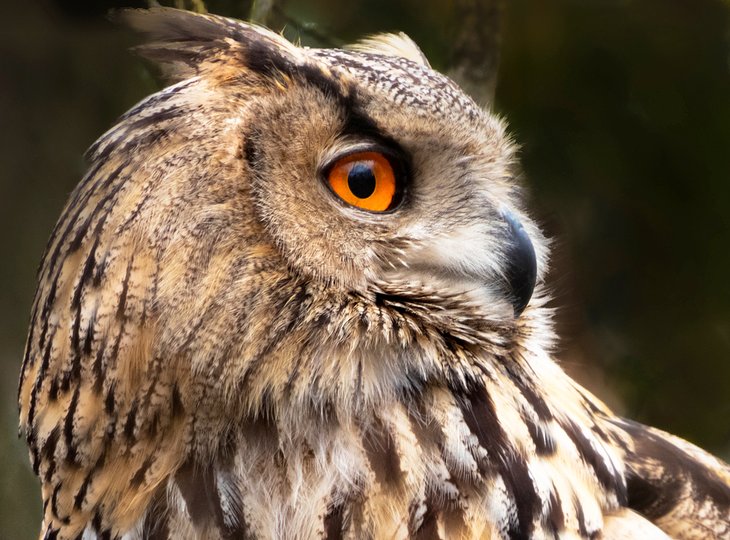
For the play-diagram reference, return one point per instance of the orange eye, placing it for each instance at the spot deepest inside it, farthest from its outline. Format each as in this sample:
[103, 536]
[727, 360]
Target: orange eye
[365, 180]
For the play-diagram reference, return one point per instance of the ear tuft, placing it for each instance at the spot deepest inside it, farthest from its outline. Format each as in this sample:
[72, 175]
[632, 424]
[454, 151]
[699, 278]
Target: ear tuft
[184, 43]
[392, 45]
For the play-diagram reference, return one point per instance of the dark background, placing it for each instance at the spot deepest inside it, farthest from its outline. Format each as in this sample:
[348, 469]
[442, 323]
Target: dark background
[623, 112]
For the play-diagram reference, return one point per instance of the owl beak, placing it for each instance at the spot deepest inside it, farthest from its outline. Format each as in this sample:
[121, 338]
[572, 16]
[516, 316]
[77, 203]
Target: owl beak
[521, 266]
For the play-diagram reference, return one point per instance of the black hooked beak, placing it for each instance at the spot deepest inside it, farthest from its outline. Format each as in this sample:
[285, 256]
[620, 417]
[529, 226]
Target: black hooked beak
[521, 268]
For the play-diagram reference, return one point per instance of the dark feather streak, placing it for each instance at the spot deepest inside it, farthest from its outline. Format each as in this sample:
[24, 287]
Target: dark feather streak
[609, 478]
[382, 454]
[334, 522]
[481, 418]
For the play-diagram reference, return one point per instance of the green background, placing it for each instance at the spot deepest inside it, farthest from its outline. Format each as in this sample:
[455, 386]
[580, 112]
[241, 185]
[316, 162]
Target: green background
[622, 109]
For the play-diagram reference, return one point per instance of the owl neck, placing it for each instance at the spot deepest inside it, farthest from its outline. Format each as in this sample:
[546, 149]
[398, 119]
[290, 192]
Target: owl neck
[347, 354]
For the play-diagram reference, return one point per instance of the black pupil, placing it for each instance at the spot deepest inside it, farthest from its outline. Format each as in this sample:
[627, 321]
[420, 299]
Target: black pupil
[361, 180]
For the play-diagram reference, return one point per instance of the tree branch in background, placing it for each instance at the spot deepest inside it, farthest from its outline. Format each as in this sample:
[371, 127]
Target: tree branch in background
[271, 13]
[312, 30]
[197, 6]
[268, 13]
[476, 43]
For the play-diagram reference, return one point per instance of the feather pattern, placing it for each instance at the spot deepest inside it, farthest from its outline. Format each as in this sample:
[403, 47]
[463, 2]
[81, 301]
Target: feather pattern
[219, 349]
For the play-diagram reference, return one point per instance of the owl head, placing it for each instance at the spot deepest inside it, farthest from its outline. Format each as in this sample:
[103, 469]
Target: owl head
[366, 170]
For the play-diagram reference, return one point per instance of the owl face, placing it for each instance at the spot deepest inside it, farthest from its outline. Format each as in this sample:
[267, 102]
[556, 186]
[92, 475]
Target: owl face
[372, 172]
[449, 221]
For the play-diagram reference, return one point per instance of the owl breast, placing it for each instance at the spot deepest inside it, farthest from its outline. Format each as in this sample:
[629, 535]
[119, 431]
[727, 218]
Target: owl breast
[444, 464]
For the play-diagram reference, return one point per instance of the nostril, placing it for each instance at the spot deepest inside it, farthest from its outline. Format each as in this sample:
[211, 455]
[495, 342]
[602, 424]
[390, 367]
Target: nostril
[521, 263]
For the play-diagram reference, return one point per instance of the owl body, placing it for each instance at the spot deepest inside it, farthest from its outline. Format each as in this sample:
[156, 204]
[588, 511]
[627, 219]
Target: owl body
[224, 344]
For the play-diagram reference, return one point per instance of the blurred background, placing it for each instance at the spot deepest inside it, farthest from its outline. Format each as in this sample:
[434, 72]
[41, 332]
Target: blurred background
[622, 109]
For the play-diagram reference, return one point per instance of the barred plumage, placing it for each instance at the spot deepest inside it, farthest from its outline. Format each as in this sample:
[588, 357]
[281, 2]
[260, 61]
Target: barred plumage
[220, 348]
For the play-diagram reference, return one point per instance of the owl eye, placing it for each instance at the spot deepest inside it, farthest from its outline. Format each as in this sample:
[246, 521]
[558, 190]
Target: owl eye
[365, 180]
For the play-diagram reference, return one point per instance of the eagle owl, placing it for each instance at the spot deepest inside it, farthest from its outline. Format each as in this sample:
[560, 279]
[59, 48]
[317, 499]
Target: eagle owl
[297, 295]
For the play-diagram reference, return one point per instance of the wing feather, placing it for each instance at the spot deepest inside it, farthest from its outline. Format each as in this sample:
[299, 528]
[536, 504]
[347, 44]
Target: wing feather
[681, 488]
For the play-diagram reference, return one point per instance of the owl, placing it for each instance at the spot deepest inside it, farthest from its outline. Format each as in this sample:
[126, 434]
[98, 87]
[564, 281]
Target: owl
[297, 295]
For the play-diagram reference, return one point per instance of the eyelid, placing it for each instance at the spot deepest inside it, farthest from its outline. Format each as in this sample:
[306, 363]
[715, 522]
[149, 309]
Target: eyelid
[394, 156]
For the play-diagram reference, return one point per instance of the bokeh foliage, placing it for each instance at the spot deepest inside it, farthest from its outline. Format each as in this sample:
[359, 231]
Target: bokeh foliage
[623, 112]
